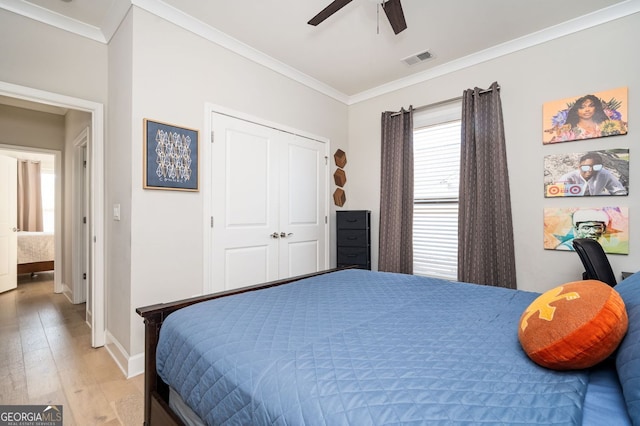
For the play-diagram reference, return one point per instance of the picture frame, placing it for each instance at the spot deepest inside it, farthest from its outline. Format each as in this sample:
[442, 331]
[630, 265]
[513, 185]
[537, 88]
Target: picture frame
[588, 116]
[563, 224]
[587, 173]
[170, 157]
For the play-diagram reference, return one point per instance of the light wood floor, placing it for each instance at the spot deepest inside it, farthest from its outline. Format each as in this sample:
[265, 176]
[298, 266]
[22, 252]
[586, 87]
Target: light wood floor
[46, 358]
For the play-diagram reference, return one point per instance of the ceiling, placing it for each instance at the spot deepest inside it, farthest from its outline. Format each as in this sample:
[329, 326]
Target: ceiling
[354, 54]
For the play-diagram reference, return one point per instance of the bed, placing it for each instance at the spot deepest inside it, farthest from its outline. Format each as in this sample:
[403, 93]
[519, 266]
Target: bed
[355, 347]
[35, 252]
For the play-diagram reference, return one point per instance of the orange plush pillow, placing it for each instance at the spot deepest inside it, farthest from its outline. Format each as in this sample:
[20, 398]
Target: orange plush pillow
[573, 326]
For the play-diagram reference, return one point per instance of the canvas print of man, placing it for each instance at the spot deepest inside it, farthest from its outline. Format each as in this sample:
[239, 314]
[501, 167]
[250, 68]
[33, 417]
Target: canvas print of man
[593, 115]
[607, 225]
[590, 173]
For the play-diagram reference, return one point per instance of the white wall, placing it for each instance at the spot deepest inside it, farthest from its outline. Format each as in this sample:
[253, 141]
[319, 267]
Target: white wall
[592, 60]
[24, 127]
[43, 57]
[118, 169]
[175, 73]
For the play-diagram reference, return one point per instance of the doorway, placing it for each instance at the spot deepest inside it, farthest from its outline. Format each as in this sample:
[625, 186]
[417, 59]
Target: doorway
[95, 219]
[50, 167]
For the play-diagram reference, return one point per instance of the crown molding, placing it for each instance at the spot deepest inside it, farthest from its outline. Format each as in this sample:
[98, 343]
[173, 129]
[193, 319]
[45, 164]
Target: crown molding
[590, 20]
[114, 17]
[49, 17]
[159, 8]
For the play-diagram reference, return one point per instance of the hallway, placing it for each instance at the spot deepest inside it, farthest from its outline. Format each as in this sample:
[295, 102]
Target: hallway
[46, 358]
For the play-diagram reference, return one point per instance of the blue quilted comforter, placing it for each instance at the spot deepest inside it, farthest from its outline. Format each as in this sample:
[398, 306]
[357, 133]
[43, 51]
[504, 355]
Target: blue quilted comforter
[364, 348]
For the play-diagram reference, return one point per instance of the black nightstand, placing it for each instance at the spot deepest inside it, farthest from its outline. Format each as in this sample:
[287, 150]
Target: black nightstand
[354, 238]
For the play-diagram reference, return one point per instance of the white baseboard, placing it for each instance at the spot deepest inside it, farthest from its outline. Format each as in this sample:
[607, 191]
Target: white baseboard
[136, 365]
[129, 365]
[67, 292]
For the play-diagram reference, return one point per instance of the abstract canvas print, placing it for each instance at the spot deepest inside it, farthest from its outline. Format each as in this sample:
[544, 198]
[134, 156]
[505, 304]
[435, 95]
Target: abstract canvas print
[607, 225]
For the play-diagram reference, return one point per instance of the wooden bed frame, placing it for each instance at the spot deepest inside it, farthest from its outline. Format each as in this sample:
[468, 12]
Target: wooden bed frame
[156, 392]
[30, 268]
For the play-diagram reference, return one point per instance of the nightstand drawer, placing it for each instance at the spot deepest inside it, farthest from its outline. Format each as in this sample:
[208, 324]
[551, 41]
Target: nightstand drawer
[353, 219]
[353, 238]
[353, 255]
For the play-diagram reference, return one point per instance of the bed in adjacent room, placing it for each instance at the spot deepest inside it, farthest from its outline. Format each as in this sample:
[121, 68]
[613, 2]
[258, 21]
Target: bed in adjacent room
[35, 252]
[355, 347]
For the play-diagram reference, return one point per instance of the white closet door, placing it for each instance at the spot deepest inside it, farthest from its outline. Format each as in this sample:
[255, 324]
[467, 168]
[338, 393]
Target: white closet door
[245, 207]
[302, 206]
[269, 204]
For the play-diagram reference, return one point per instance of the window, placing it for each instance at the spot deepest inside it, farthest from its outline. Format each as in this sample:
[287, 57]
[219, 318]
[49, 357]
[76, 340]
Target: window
[436, 140]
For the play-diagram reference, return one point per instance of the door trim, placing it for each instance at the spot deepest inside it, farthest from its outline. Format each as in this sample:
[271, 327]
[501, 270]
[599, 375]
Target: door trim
[96, 156]
[206, 186]
[77, 200]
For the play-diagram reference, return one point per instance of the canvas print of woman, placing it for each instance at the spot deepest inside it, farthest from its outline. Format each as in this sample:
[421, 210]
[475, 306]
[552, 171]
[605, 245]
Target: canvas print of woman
[589, 116]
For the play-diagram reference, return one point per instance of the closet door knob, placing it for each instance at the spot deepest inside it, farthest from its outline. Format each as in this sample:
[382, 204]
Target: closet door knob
[284, 235]
[275, 236]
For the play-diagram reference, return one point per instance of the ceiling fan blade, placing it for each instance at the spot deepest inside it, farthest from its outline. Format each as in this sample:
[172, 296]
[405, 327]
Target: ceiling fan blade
[393, 9]
[328, 11]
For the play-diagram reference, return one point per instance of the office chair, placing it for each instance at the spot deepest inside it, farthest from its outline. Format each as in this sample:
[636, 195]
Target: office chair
[595, 261]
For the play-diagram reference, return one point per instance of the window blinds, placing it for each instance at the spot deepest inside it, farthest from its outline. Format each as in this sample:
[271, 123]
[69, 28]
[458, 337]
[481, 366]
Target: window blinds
[435, 213]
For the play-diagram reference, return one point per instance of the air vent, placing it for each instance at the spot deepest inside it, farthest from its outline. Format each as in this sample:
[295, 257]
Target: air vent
[418, 57]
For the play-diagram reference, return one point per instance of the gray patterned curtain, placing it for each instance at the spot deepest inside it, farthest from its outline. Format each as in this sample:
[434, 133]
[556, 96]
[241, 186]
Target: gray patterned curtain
[485, 230]
[396, 193]
[29, 196]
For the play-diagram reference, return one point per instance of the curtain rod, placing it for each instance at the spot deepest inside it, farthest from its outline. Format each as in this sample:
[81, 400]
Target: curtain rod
[446, 101]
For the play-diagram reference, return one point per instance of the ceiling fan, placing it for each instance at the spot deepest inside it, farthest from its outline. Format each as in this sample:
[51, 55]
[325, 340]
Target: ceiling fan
[392, 8]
